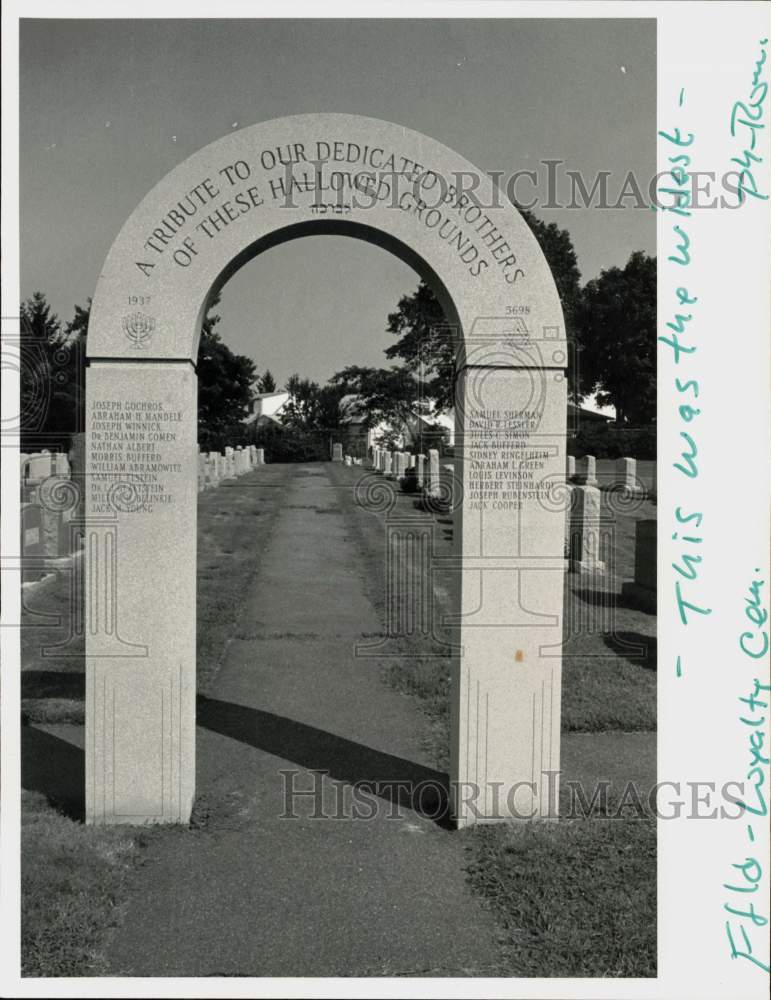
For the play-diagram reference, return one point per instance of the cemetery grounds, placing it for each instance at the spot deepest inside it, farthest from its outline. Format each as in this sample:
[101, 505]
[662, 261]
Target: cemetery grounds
[575, 897]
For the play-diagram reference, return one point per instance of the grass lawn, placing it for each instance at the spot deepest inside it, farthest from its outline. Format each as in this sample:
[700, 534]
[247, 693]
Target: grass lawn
[73, 876]
[575, 897]
[72, 880]
[572, 898]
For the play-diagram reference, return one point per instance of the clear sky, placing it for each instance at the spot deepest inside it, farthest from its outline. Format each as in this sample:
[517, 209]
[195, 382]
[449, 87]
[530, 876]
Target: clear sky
[109, 107]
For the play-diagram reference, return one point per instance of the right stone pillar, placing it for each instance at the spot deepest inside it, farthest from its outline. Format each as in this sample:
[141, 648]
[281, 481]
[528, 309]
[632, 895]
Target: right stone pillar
[509, 530]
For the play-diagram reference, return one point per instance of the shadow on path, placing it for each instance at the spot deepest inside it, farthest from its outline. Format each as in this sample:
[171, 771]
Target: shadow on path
[394, 779]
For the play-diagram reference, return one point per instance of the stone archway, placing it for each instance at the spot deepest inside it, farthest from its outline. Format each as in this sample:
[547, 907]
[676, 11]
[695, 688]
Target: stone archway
[401, 190]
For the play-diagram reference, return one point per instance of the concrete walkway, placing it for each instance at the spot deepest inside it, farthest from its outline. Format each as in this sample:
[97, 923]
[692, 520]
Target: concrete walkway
[249, 893]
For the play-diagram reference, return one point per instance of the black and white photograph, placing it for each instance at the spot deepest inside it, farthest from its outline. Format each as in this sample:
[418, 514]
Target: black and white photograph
[357, 363]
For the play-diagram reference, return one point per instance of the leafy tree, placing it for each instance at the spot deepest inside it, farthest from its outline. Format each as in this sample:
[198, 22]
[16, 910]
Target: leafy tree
[224, 388]
[52, 375]
[426, 345]
[384, 394]
[302, 410]
[618, 339]
[267, 383]
[426, 340]
[560, 254]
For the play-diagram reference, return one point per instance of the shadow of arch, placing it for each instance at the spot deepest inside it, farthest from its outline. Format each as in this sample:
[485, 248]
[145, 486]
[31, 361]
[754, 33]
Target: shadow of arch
[393, 779]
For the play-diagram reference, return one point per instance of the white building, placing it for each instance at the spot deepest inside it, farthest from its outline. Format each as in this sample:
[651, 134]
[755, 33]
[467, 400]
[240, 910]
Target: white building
[268, 405]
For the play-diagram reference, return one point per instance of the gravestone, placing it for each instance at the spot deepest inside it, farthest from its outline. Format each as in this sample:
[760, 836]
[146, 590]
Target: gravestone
[261, 456]
[39, 466]
[626, 476]
[502, 306]
[641, 593]
[420, 461]
[401, 464]
[337, 452]
[432, 480]
[585, 531]
[387, 465]
[587, 471]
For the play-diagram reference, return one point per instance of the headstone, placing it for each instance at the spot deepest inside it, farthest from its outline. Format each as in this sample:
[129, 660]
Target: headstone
[261, 456]
[432, 480]
[347, 460]
[587, 471]
[420, 462]
[585, 530]
[571, 467]
[387, 463]
[39, 466]
[400, 460]
[641, 594]
[626, 476]
[252, 455]
[337, 452]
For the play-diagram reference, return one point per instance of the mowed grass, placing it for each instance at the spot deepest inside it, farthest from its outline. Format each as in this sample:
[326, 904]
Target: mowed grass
[75, 877]
[572, 898]
[575, 897]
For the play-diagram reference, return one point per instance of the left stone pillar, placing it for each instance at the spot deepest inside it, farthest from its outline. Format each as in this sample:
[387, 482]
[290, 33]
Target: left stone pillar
[140, 591]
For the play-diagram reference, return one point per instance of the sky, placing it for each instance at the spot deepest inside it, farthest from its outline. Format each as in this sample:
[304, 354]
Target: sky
[108, 107]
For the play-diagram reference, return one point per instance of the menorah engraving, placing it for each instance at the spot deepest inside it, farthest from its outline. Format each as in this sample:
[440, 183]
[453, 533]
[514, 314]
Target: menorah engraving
[138, 327]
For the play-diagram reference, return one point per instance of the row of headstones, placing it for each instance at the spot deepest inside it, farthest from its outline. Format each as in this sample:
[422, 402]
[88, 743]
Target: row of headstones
[51, 504]
[584, 530]
[428, 470]
[584, 472]
[215, 466]
[582, 522]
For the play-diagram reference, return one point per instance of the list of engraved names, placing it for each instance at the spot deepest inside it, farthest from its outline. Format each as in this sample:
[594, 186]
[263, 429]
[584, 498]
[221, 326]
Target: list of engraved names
[131, 454]
[504, 467]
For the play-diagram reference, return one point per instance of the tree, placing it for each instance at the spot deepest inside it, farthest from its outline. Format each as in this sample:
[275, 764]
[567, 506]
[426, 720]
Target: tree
[618, 339]
[426, 345]
[52, 375]
[267, 383]
[426, 340]
[384, 395]
[224, 388]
